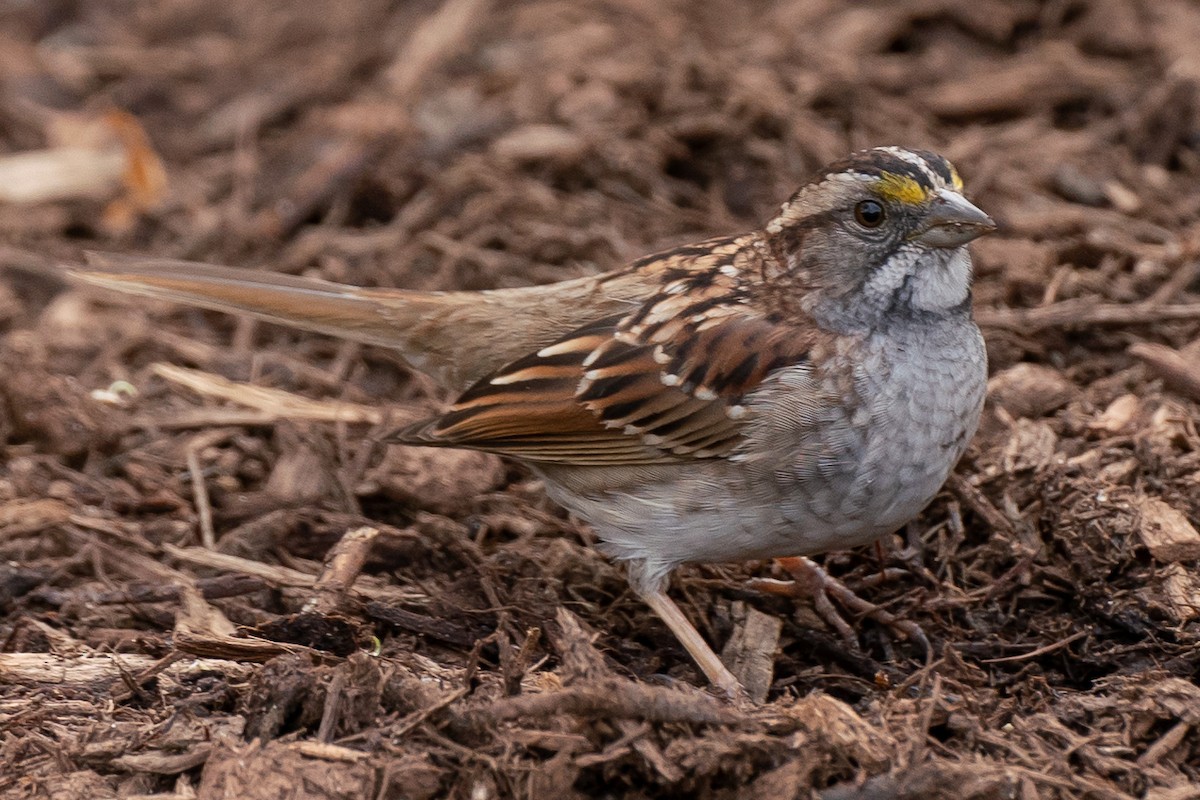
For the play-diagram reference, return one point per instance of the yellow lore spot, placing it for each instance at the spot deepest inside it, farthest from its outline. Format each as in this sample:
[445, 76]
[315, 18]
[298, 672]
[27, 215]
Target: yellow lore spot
[955, 180]
[901, 188]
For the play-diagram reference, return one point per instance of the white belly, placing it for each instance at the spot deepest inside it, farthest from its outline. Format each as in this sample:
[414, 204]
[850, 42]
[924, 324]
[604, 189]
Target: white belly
[819, 477]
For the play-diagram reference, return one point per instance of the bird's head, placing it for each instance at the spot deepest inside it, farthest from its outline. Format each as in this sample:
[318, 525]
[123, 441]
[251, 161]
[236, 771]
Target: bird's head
[882, 231]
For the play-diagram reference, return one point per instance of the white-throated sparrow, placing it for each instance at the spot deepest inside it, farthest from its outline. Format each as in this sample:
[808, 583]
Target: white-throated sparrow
[803, 387]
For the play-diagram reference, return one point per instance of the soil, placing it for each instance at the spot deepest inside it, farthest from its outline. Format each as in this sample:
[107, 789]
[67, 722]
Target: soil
[217, 581]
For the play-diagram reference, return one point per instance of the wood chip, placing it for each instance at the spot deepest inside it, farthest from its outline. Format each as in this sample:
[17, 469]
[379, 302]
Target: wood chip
[330, 752]
[1166, 531]
[95, 157]
[1030, 390]
[47, 669]
[20, 517]
[1032, 444]
[541, 142]
[281, 769]
[160, 763]
[64, 173]
[342, 565]
[1180, 372]
[1183, 591]
[750, 652]
[1119, 414]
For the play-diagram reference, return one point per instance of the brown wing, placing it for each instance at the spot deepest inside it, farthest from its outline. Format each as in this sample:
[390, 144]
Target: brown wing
[666, 383]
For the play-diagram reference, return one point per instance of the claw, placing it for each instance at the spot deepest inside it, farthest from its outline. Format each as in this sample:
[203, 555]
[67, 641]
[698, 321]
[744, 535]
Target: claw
[810, 580]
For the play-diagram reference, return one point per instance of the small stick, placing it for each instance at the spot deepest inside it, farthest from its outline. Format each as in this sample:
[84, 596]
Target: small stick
[139, 593]
[1041, 651]
[615, 697]
[1164, 745]
[342, 565]
[1179, 280]
[917, 753]
[284, 405]
[1082, 312]
[417, 717]
[203, 418]
[280, 576]
[977, 502]
[1182, 373]
[436, 40]
[208, 536]
[333, 707]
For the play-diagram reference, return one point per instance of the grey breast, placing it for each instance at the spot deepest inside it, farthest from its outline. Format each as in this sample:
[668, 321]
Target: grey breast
[852, 465]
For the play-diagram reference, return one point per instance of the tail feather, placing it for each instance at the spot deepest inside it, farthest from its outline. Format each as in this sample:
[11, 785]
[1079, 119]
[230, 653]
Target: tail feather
[413, 323]
[349, 312]
[456, 337]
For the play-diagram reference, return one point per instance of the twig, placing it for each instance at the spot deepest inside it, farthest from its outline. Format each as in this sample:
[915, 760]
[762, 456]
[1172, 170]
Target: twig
[202, 418]
[283, 405]
[436, 39]
[141, 593]
[1173, 366]
[329, 752]
[64, 173]
[281, 576]
[342, 565]
[618, 698]
[208, 536]
[417, 717]
[977, 502]
[331, 173]
[919, 741]
[1164, 745]
[1041, 651]
[47, 669]
[145, 675]
[333, 706]
[212, 357]
[1082, 312]
[1180, 279]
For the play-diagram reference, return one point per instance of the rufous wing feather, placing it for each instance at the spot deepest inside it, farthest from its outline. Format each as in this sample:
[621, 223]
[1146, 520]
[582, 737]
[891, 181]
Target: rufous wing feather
[620, 391]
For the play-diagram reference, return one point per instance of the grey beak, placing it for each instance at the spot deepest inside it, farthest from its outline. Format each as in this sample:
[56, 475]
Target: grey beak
[952, 222]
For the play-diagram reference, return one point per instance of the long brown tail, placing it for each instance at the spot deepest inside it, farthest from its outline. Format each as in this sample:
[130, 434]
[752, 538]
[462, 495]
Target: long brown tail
[371, 316]
[456, 337]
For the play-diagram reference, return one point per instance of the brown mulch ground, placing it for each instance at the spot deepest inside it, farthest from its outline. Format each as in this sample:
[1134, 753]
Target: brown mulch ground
[389, 622]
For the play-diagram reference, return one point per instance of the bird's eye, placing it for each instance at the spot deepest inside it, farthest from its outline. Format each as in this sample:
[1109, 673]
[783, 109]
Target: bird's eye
[869, 214]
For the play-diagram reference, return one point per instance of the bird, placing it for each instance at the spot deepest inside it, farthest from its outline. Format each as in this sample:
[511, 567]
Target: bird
[802, 387]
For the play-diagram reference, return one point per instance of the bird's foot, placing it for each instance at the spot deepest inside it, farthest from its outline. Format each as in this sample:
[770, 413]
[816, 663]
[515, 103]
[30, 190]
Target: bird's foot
[810, 580]
[709, 662]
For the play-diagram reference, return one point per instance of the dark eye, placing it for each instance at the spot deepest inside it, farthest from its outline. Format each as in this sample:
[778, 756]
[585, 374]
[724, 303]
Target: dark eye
[869, 214]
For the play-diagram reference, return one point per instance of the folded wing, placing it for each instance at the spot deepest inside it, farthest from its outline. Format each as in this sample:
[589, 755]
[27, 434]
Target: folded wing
[626, 389]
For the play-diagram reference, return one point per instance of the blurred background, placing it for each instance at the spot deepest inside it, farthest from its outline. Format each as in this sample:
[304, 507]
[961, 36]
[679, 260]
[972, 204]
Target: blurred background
[482, 143]
[487, 143]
